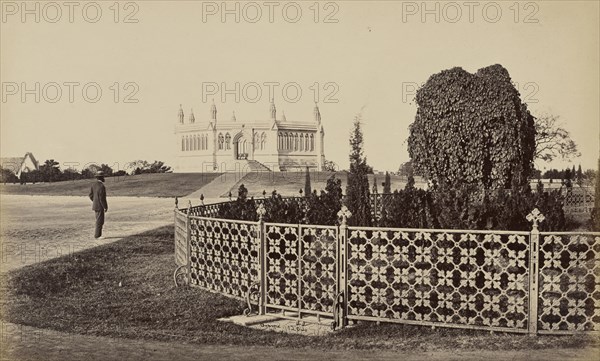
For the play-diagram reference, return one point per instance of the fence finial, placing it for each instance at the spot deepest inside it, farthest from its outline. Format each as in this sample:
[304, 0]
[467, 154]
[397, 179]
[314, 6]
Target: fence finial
[261, 211]
[202, 198]
[344, 214]
[189, 205]
[176, 202]
[535, 216]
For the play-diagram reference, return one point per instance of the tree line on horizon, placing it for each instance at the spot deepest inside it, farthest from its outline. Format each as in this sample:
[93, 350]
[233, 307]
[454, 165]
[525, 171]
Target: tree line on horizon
[51, 171]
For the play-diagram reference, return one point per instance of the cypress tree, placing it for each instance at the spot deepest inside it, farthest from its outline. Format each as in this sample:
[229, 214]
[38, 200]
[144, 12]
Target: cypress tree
[387, 185]
[307, 188]
[357, 188]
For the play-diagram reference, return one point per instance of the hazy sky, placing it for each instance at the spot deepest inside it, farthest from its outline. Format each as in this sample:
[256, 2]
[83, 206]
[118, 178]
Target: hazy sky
[366, 55]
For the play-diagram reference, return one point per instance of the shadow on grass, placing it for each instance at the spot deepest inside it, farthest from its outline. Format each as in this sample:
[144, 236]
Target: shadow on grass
[80, 293]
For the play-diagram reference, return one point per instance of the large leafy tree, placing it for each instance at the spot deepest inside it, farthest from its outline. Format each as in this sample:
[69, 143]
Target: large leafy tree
[357, 188]
[472, 129]
[552, 140]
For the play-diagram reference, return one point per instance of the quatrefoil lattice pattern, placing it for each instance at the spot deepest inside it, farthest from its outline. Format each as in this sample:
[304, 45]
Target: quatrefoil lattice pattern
[225, 256]
[439, 277]
[301, 267]
[569, 293]
[318, 248]
[282, 266]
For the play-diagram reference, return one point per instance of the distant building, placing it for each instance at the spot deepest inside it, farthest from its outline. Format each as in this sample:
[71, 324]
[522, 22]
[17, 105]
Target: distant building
[227, 146]
[18, 165]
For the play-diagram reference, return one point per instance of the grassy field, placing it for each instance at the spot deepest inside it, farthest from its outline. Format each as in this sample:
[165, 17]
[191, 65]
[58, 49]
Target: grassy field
[125, 289]
[290, 183]
[142, 185]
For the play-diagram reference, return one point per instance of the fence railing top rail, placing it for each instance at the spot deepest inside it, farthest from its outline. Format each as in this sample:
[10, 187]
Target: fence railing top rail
[223, 220]
[433, 230]
[573, 233]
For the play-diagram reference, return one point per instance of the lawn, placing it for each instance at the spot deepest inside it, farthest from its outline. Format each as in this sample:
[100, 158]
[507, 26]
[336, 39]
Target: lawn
[142, 185]
[125, 289]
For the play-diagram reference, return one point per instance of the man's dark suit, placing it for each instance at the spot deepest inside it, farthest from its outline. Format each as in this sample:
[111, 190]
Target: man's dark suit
[99, 205]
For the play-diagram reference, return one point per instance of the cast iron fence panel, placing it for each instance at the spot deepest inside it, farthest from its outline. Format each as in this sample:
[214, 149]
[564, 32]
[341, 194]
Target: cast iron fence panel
[496, 280]
[301, 269]
[318, 250]
[224, 255]
[569, 282]
[444, 277]
[282, 266]
[578, 200]
[181, 245]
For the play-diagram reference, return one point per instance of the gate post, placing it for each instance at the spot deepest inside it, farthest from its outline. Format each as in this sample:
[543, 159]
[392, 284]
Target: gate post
[534, 248]
[262, 260]
[343, 214]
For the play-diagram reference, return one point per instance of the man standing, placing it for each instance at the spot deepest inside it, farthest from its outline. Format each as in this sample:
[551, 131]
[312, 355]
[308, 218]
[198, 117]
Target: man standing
[99, 204]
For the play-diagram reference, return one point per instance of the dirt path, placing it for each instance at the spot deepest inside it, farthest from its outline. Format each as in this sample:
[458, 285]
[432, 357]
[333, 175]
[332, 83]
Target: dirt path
[37, 228]
[31, 344]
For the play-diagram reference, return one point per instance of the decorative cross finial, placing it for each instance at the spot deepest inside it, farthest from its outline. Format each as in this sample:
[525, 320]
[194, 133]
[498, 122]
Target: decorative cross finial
[535, 216]
[261, 211]
[344, 214]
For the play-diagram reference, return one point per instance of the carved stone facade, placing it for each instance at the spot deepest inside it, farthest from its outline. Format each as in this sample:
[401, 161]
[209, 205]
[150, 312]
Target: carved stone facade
[232, 146]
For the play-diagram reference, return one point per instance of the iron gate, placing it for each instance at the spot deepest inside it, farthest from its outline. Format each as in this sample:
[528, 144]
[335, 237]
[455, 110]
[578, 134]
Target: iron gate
[301, 272]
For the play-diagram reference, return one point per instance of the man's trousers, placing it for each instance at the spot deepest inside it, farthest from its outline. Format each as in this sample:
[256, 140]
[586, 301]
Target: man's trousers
[99, 223]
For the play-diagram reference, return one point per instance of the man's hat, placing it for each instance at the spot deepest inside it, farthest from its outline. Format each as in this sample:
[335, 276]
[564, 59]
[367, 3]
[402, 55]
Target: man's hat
[99, 174]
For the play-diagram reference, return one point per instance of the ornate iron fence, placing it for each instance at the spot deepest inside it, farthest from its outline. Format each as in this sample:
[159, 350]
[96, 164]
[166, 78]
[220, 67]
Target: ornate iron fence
[528, 282]
[578, 200]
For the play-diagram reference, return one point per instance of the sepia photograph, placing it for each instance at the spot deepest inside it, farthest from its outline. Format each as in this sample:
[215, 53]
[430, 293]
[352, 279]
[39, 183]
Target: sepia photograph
[299, 180]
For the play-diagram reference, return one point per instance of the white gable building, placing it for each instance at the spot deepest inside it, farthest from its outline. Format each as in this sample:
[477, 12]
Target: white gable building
[276, 144]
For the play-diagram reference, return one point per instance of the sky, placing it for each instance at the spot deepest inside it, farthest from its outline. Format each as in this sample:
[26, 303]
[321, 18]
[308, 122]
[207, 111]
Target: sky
[109, 77]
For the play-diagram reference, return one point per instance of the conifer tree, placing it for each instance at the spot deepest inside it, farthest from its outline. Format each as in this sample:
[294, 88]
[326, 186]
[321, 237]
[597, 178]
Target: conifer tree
[307, 188]
[357, 188]
[387, 184]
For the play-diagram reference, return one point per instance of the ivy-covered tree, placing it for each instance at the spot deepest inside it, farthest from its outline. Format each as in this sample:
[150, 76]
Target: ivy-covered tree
[472, 129]
[357, 188]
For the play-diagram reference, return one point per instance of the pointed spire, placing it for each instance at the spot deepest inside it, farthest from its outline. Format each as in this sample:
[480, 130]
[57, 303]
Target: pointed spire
[283, 118]
[317, 113]
[233, 119]
[192, 118]
[273, 110]
[213, 111]
[180, 114]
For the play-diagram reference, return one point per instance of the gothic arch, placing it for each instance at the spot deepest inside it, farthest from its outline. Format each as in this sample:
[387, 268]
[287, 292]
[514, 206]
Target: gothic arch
[220, 141]
[263, 140]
